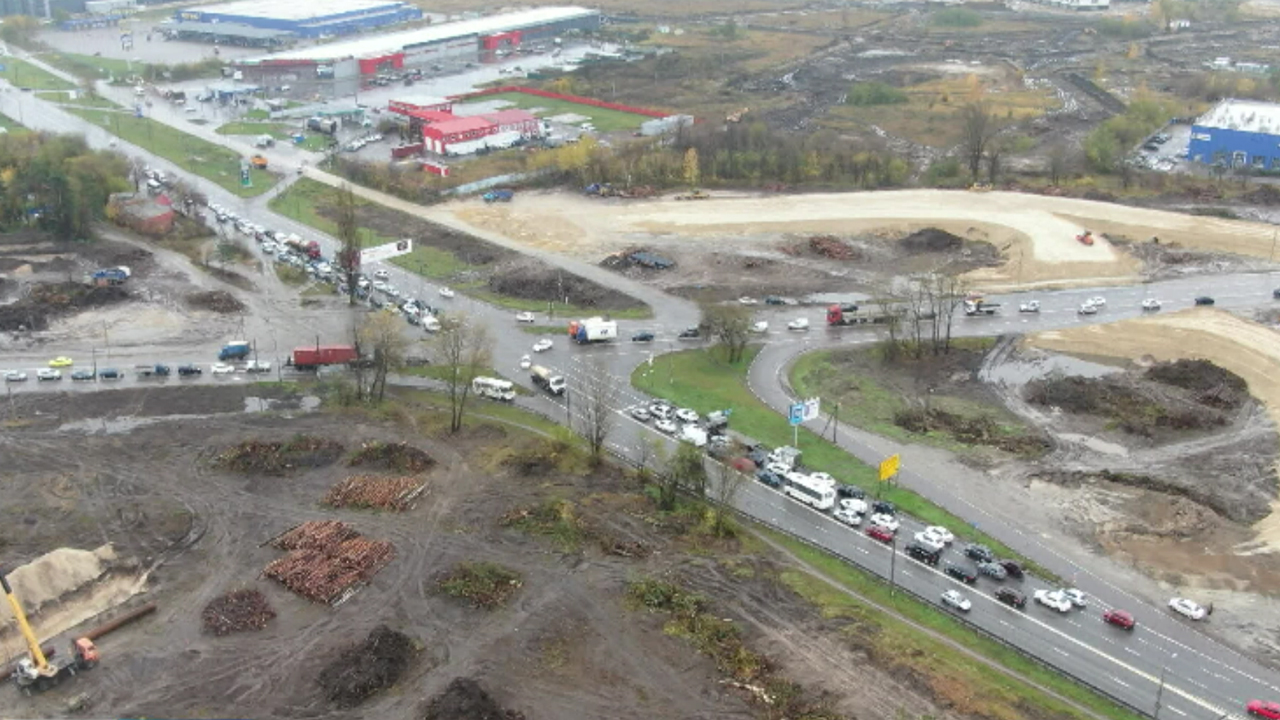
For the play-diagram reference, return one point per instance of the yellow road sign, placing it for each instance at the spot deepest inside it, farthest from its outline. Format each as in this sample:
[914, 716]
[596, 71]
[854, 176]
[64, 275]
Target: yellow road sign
[889, 467]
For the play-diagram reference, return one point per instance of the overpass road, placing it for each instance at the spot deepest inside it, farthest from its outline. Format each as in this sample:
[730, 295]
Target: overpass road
[1195, 676]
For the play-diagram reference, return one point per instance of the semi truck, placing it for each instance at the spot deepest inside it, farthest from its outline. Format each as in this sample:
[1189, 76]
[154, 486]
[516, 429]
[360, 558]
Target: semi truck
[307, 248]
[594, 329]
[978, 306]
[322, 125]
[235, 350]
[848, 314]
[546, 379]
[312, 358]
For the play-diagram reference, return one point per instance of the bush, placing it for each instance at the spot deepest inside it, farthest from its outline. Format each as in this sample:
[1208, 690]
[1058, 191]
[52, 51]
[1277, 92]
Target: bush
[1125, 28]
[956, 17]
[865, 94]
[485, 585]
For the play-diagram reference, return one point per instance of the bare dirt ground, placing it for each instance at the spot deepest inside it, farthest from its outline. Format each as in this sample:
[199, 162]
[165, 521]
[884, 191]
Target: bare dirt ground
[566, 646]
[1035, 234]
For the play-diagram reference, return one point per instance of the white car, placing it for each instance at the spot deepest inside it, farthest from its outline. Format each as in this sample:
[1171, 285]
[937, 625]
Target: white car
[667, 425]
[446, 292]
[953, 598]
[930, 541]
[1088, 309]
[760, 327]
[1077, 597]
[222, 369]
[48, 374]
[1054, 599]
[525, 317]
[1151, 304]
[641, 413]
[942, 534]
[1097, 301]
[745, 300]
[392, 292]
[257, 366]
[798, 324]
[848, 517]
[15, 376]
[543, 345]
[380, 286]
[686, 415]
[381, 274]
[1188, 608]
[1032, 306]
[854, 505]
[888, 522]
[525, 362]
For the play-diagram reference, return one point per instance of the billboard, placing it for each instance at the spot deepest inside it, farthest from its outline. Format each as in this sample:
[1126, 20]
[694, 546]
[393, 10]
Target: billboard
[386, 252]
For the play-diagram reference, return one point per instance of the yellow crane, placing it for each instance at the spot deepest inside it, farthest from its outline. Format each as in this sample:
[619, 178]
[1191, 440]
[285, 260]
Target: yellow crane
[37, 672]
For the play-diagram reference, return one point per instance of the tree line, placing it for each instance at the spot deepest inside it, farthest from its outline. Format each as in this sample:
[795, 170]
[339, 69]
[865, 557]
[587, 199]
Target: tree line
[57, 183]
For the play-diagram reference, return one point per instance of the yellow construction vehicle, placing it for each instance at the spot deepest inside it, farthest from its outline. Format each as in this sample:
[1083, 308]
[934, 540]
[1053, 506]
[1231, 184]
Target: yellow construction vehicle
[37, 672]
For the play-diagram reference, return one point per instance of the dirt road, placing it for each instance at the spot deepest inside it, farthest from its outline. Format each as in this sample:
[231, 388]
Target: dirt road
[1035, 233]
[1248, 349]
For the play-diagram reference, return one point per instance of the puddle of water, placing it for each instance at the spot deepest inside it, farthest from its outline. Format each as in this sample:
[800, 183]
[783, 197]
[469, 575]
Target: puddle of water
[1023, 369]
[306, 403]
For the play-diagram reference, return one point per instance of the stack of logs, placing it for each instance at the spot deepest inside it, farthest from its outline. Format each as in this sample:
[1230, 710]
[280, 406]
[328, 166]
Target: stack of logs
[367, 491]
[327, 558]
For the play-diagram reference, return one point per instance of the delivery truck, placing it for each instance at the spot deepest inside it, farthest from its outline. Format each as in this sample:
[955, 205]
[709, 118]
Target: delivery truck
[315, 356]
[594, 329]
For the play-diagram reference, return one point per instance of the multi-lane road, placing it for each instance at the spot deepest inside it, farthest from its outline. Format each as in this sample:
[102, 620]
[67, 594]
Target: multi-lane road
[1200, 677]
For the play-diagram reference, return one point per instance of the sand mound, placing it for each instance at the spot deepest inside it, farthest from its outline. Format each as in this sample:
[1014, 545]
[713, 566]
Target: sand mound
[54, 575]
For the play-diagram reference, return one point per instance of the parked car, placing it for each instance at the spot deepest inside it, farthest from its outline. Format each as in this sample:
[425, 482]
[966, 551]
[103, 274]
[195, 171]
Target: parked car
[525, 317]
[686, 415]
[981, 553]
[963, 574]
[525, 362]
[877, 532]
[953, 599]
[1009, 596]
[1188, 608]
[747, 300]
[1204, 300]
[930, 541]
[189, 370]
[446, 292]
[82, 375]
[760, 327]
[642, 336]
[222, 369]
[667, 425]
[1119, 618]
[109, 374]
[855, 505]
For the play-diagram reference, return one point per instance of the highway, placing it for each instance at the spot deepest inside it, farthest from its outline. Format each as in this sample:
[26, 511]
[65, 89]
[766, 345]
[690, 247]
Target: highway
[1202, 678]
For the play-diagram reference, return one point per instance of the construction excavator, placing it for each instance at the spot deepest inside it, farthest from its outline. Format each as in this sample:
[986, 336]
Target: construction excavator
[37, 672]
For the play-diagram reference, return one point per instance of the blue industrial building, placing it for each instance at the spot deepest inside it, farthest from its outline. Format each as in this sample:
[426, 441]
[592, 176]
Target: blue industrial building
[309, 19]
[1238, 133]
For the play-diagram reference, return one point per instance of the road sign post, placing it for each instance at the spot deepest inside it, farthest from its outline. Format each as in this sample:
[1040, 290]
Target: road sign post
[796, 417]
[888, 469]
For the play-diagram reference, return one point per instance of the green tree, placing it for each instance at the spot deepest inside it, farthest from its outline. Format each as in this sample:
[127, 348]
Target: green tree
[1102, 149]
[692, 171]
[348, 234]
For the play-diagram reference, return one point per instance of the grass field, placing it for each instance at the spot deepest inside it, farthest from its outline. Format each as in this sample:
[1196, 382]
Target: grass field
[697, 379]
[276, 130]
[25, 75]
[972, 688]
[201, 157]
[763, 48]
[605, 120]
[63, 97]
[90, 67]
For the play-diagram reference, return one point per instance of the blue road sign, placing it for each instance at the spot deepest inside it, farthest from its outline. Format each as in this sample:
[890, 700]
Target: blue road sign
[796, 414]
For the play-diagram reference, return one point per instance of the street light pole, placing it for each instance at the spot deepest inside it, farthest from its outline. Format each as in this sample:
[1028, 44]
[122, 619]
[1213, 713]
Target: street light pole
[1160, 690]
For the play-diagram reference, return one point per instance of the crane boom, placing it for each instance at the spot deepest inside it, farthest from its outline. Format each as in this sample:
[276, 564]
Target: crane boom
[33, 645]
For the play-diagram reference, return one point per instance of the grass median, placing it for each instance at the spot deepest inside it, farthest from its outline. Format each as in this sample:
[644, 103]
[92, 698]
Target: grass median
[23, 74]
[209, 161]
[698, 379]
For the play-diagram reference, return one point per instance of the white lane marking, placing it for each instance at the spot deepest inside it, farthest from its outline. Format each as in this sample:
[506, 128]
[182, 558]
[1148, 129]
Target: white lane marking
[1174, 709]
[1118, 681]
[1133, 652]
[1062, 652]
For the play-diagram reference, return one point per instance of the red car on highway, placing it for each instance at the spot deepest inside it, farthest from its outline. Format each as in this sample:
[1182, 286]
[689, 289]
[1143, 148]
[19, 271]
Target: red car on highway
[883, 534]
[1258, 708]
[1119, 618]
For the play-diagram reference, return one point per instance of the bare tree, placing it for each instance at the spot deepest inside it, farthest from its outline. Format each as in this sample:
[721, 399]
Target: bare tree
[724, 483]
[597, 399]
[684, 470]
[979, 126]
[1057, 163]
[348, 233]
[465, 348]
[731, 325]
[382, 334]
[891, 313]
[950, 294]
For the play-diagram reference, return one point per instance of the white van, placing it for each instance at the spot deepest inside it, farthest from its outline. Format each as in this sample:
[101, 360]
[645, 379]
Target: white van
[430, 324]
[494, 389]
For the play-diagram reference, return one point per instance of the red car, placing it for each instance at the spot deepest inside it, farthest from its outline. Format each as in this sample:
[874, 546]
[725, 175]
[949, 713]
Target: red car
[884, 535]
[1268, 710]
[1120, 618]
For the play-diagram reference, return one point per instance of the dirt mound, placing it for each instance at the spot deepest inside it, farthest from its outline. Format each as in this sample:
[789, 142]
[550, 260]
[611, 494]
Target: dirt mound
[399, 456]
[48, 300]
[256, 457]
[237, 611]
[826, 246]
[466, 699]
[364, 669]
[219, 301]
[978, 430]
[1135, 408]
[536, 281]
[364, 491]
[931, 240]
[1215, 386]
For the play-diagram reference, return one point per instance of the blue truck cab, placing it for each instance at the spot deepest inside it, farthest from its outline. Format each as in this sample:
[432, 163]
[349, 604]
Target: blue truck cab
[235, 350]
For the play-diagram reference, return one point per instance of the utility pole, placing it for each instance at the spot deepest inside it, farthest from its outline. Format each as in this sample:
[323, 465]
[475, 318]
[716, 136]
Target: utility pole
[1160, 690]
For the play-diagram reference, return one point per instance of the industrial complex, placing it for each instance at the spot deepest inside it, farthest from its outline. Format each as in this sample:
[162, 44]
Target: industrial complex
[1238, 133]
[341, 67]
[311, 19]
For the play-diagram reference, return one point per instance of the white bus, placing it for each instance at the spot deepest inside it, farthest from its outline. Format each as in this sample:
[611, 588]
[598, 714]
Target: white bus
[809, 491]
[494, 389]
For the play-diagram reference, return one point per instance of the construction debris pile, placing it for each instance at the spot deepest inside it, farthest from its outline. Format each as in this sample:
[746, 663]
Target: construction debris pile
[466, 699]
[931, 240]
[367, 491]
[255, 457]
[237, 611]
[827, 246]
[397, 456]
[327, 559]
[219, 301]
[364, 669]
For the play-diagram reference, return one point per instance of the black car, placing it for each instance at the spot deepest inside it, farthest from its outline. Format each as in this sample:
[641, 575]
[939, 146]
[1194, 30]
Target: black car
[376, 302]
[109, 374]
[1012, 567]
[926, 555]
[963, 574]
[758, 455]
[769, 478]
[690, 333]
[981, 553]
[1276, 293]
[1151, 145]
[884, 507]
[1204, 300]
[189, 370]
[643, 336]
[1009, 596]
[82, 375]
[774, 300]
[851, 491]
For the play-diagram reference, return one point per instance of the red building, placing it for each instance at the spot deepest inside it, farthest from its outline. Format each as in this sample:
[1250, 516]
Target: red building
[444, 133]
